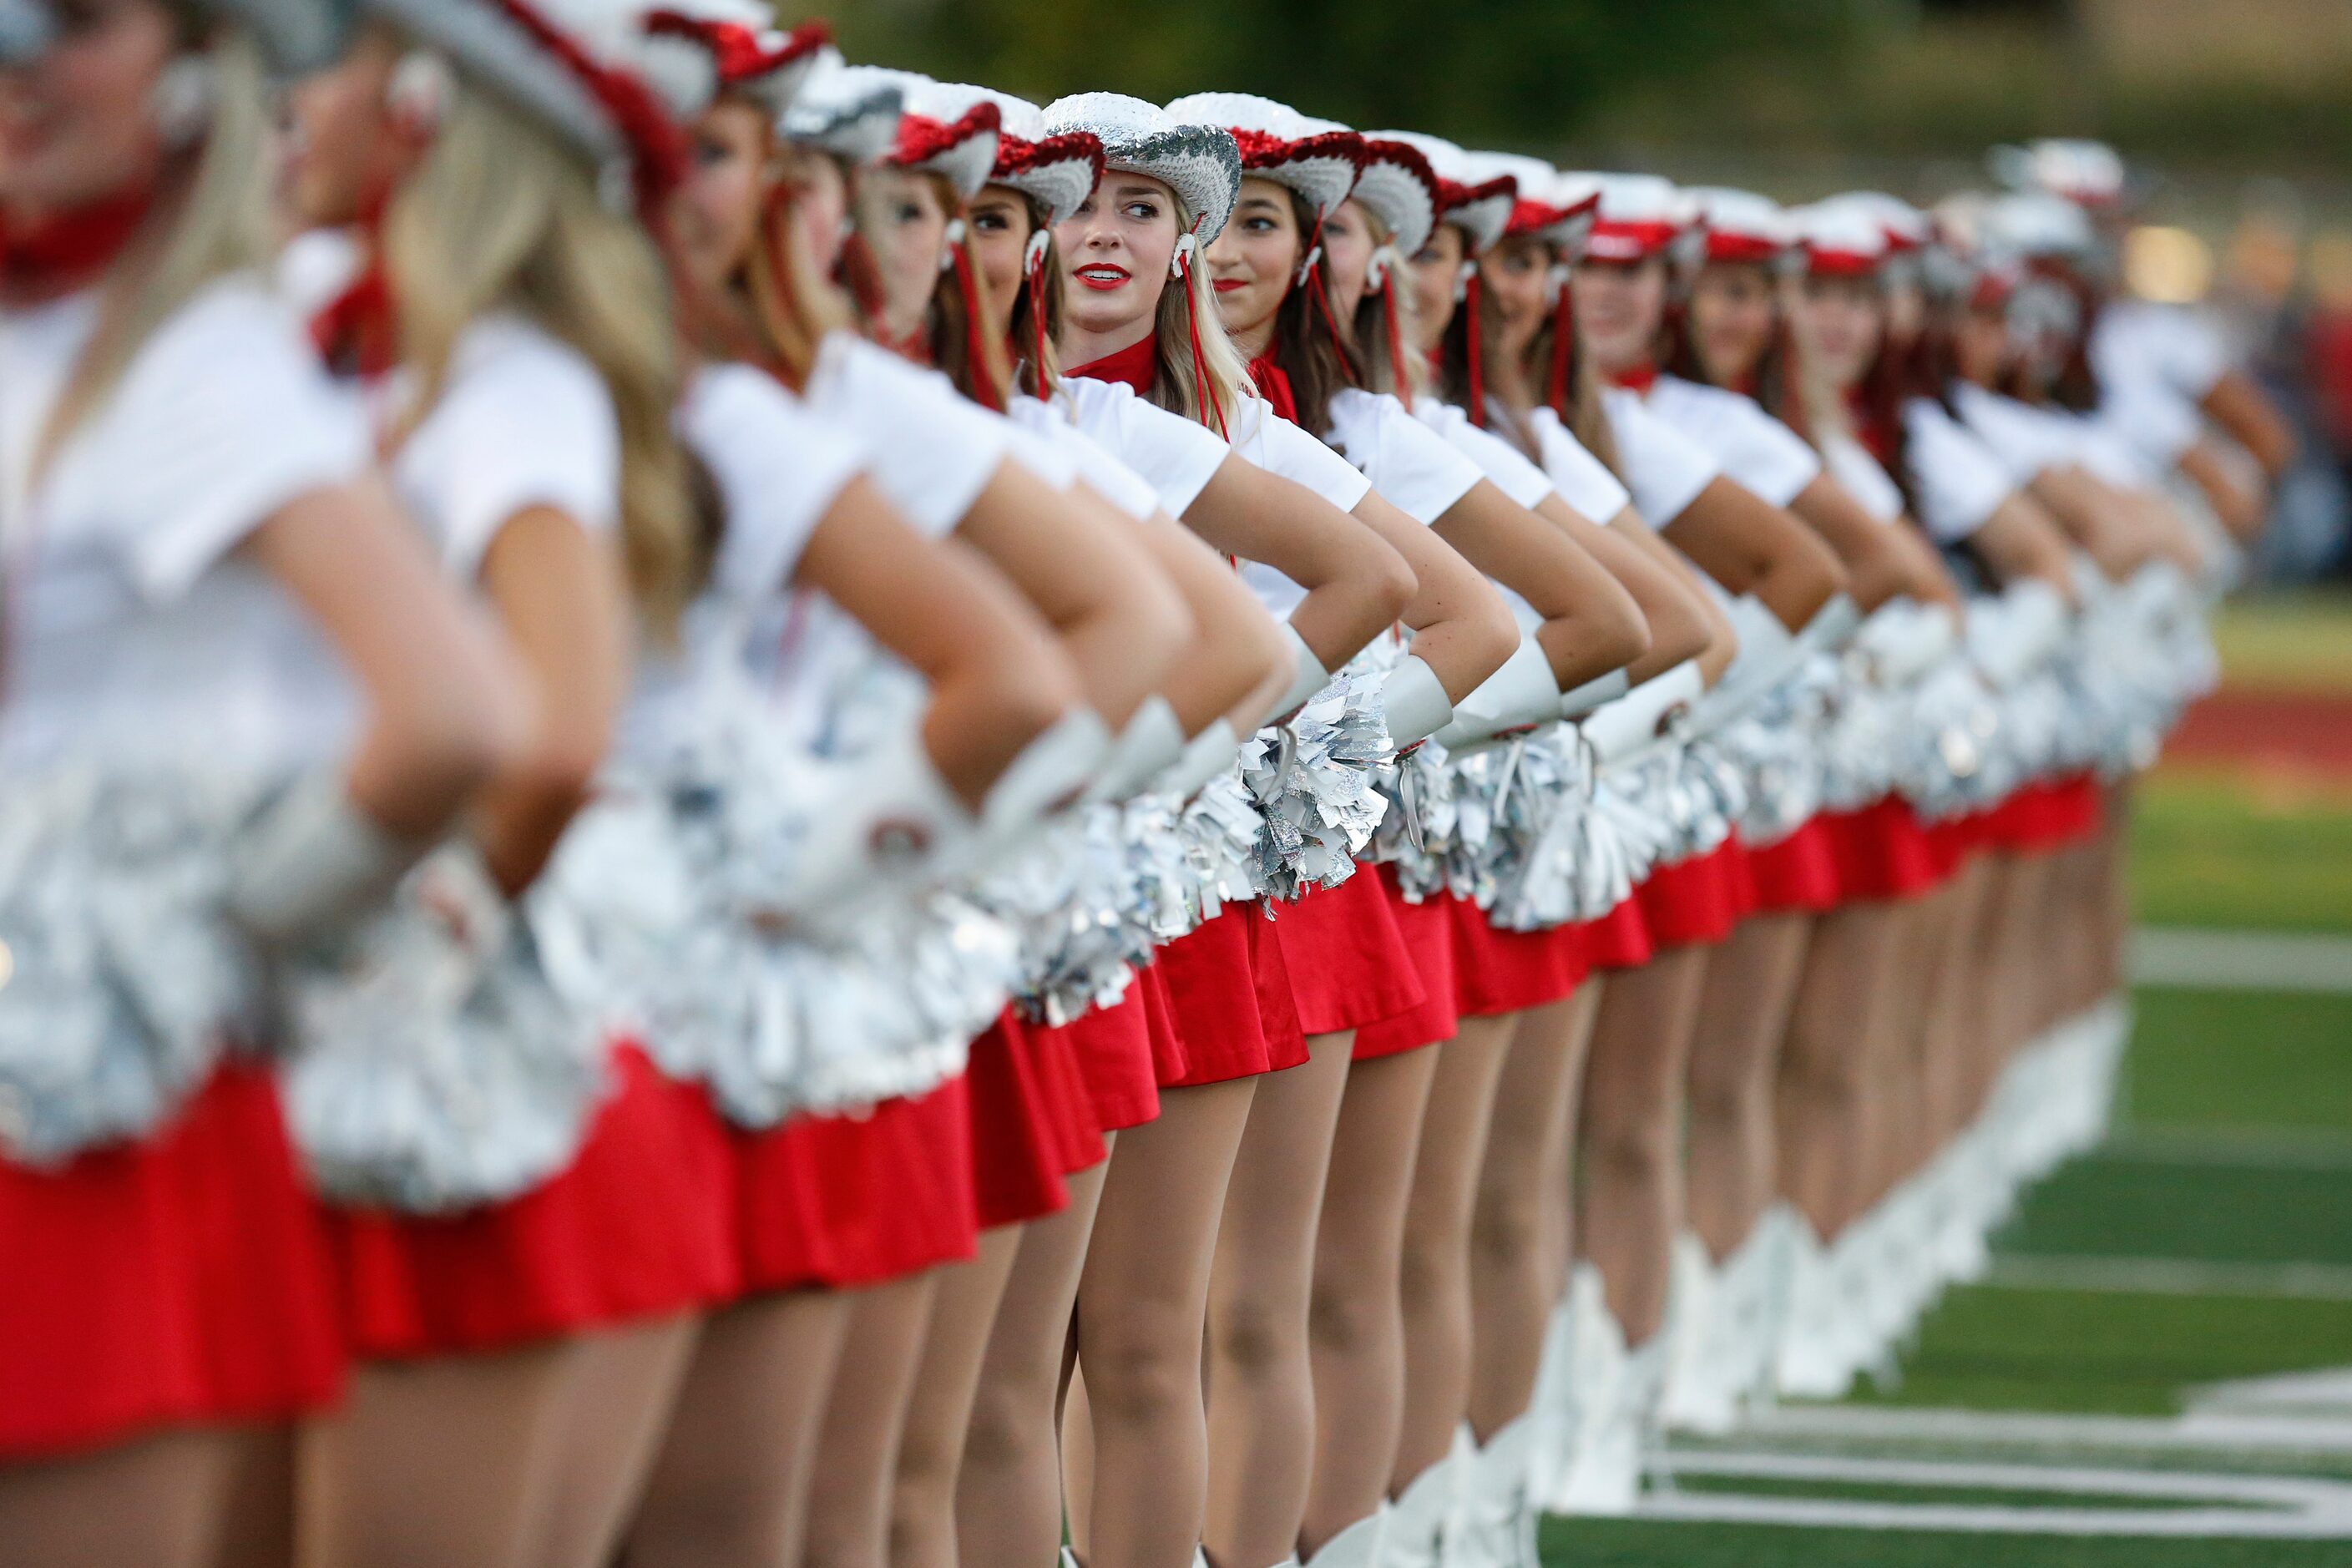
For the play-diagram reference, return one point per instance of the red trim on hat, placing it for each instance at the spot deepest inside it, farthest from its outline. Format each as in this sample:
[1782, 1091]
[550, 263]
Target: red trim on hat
[1015, 156]
[922, 139]
[1740, 248]
[1530, 216]
[658, 149]
[1991, 289]
[1264, 150]
[741, 54]
[1828, 261]
[1615, 239]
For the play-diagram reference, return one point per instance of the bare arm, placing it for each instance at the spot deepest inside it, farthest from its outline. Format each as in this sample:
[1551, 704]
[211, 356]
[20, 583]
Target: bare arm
[997, 675]
[1356, 585]
[2020, 540]
[1695, 621]
[1751, 546]
[2228, 483]
[1078, 561]
[445, 705]
[1591, 624]
[1238, 663]
[559, 593]
[2243, 408]
[2088, 513]
[1672, 628]
[1877, 568]
[1460, 627]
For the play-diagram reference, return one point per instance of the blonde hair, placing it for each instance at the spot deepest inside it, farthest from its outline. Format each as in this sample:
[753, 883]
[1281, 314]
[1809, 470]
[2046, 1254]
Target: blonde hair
[794, 307]
[1184, 314]
[501, 214]
[218, 225]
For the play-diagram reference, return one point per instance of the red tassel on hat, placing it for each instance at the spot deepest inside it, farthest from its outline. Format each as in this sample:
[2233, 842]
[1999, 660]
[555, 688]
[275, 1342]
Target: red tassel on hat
[1476, 339]
[992, 395]
[1202, 393]
[1563, 349]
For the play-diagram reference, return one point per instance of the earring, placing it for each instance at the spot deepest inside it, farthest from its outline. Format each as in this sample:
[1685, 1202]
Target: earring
[1181, 257]
[182, 101]
[419, 92]
[1032, 260]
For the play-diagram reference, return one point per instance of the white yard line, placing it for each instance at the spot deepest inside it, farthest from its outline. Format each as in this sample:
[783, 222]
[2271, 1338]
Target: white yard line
[2214, 1431]
[2172, 1277]
[2241, 960]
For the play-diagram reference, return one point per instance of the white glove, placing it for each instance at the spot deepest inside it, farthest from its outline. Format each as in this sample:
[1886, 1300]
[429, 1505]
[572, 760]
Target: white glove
[2011, 637]
[312, 864]
[1576, 704]
[1046, 778]
[1206, 756]
[1904, 639]
[889, 821]
[1645, 719]
[1521, 693]
[1413, 704]
[1308, 677]
[1767, 655]
[1149, 746]
[1832, 625]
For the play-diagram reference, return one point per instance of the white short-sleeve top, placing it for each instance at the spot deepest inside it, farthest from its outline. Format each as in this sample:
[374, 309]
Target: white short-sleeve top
[1273, 443]
[1957, 480]
[1753, 448]
[1865, 477]
[1176, 457]
[935, 449]
[1584, 482]
[133, 635]
[1101, 470]
[1409, 466]
[1665, 469]
[1510, 470]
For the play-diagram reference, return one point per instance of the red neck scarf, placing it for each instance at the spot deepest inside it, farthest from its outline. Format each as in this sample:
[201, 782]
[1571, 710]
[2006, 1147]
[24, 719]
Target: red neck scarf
[358, 331]
[1637, 379]
[69, 251]
[1135, 365]
[1273, 384]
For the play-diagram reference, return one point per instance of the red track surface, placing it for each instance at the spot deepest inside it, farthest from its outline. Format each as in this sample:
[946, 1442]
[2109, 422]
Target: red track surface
[2297, 732]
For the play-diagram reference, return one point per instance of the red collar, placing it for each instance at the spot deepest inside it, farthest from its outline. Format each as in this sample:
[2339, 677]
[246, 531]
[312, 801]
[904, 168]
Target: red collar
[1637, 379]
[1135, 365]
[1273, 384]
[358, 331]
[69, 250]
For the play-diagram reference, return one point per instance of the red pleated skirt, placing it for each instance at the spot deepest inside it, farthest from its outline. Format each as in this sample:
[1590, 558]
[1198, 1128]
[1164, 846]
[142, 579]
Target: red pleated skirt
[1884, 852]
[845, 1202]
[1698, 900]
[2046, 815]
[181, 1280]
[1798, 875]
[1427, 929]
[1115, 1051]
[1620, 939]
[1347, 960]
[1019, 1133]
[640, 1226]
[1229, 996]
[1498, 971]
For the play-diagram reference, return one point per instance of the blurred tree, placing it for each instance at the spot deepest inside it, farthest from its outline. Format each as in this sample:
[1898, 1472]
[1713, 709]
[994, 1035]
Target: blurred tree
[1519, 72]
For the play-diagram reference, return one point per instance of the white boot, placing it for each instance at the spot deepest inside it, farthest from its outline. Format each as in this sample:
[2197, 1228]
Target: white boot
[1551, 1411]
[1699, 1322]
[1755, 1284]
[1070, 1558]
[1358, 1546]
[1596, 1370]
[1499, 1516]
[1811, 1365]
[1604, 1475]
[1415, 1536]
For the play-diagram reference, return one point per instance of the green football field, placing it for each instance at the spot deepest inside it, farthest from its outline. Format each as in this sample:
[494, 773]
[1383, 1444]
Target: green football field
[2158, 1374]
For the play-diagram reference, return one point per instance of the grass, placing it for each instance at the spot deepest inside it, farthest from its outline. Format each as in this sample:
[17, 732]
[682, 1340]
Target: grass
[2210, 851]
[1627, 1544]
[1946, 1496]
[2299, 641]
[2234, 1061]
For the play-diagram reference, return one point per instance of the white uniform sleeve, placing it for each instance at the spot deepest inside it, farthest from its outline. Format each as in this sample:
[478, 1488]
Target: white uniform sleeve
[2178, 348]
[1502, 463]
[934, 450]
[2027, 441]
[1279, 447]
[222, 418]
[1409, 466]
[1103, 473]
[1955, 478]
[1665, 470]
[779, 469]
[1173, 455]
[1582, 480]
[525, 421]
[1864, 479]
[1754, 449]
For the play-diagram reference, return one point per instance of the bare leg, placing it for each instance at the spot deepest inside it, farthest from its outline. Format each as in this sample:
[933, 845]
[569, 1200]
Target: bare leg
[1355, 1320]
[1632, 1133]
[1743, 1015]
[257, 1527]
[1518, 1259]
[1435, 1280]
[731, 1486]
[432, 1462]
[1822, 1107]
[1008, 1502]
[1261, 1396]
[923, 1495]
[157, 1502]
[857, 1446]
[1142, 1306]
[620, 1389]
